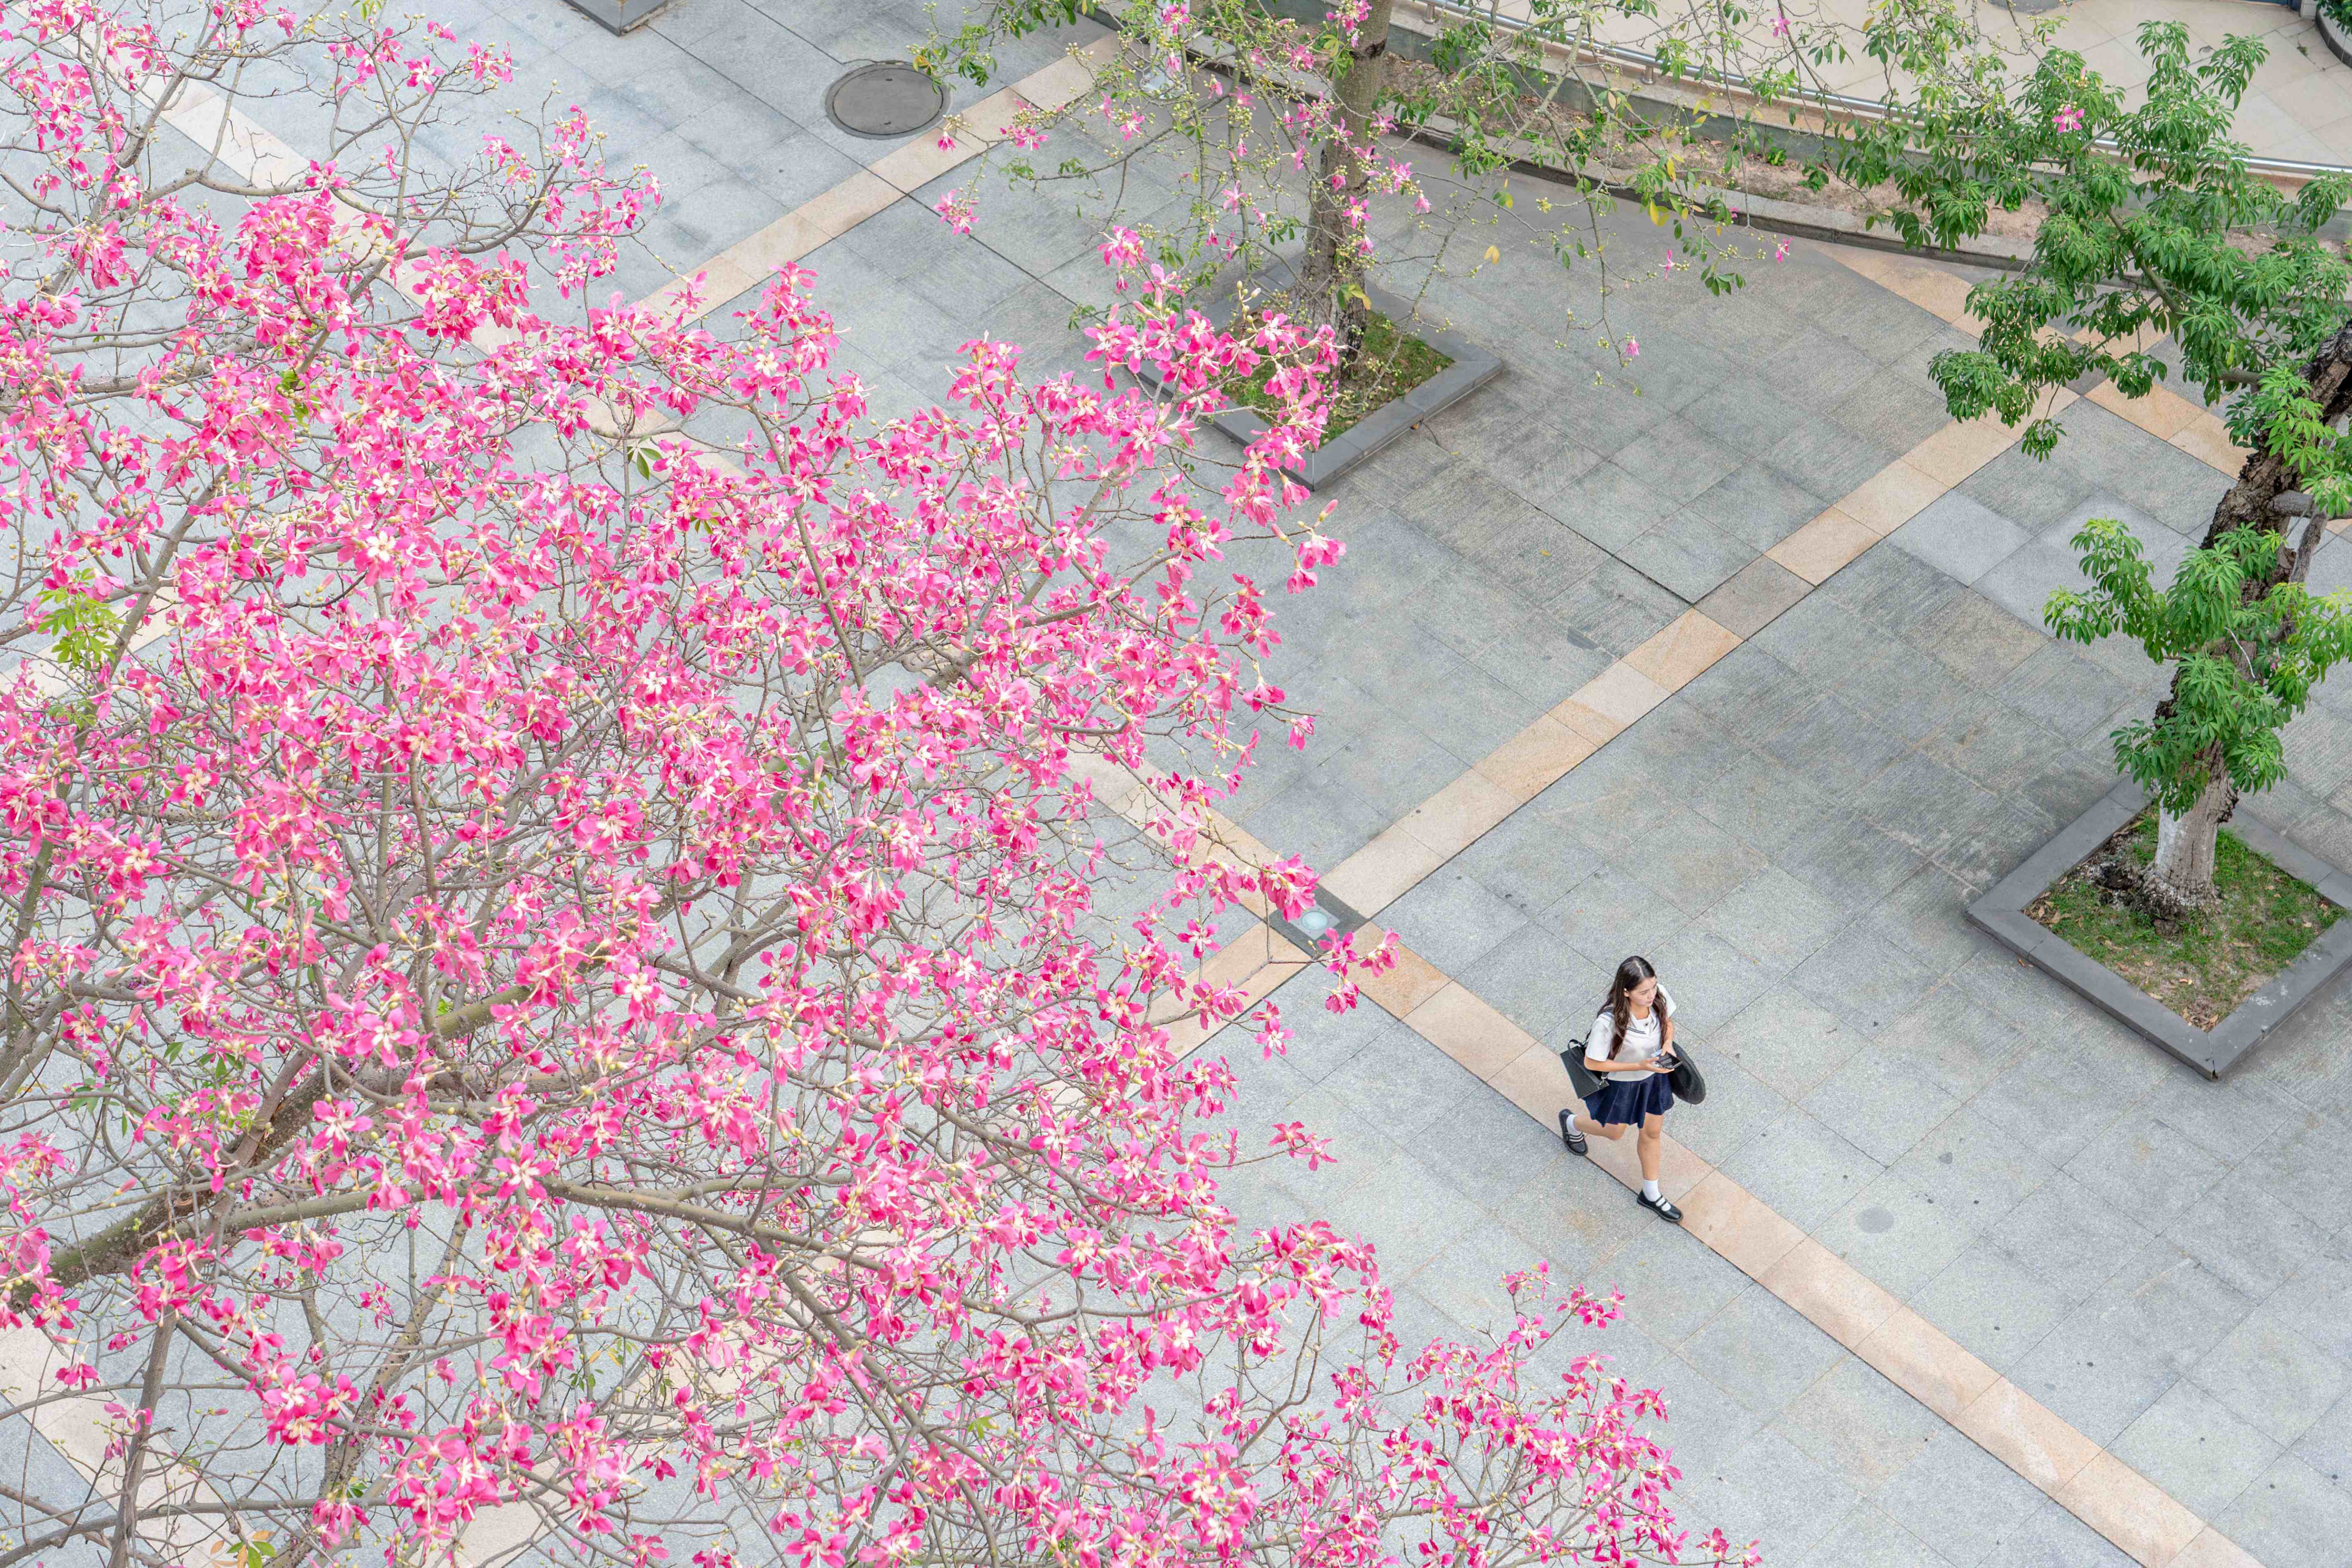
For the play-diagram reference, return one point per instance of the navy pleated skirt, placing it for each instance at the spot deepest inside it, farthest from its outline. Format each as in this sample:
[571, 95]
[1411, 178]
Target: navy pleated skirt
[1627, 1103]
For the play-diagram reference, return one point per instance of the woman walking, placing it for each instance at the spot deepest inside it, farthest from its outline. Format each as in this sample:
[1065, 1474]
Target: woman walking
[1631, 1048]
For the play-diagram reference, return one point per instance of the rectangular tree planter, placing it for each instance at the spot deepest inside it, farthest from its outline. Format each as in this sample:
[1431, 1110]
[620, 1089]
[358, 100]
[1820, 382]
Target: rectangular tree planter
[1472, 367]
[2211, 1052]
[619, 15]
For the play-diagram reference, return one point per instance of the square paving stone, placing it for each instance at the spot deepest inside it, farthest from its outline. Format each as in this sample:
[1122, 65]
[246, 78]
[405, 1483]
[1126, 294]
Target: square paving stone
[2273, 1379]
[1835, 748]
[1996, 1308]
[1890, 591]
[2024, 581]
[2058, 688]
[1961, 1499]
[1760, 798]
[1826, 641]
[1666, 443]
[1848, 861]
[1492, 1148]
[1671, 1289]
[1803, 1168]
[2072, 1237]
[1956, 1042]
[1907, 690]
[1961, 538]
[1924, 805]
[1738, 1104]
[2076, 779]
[1689, 554]
[1397, 1079]
[2035, 491]
[1613, 507]
[2146, 1169]
[1761, 1352]
[2165, 1300]
[2319, 751]
[2053, 1101]
[1775, 918]
[1928, 916]
[1786, 1041]
[2228, 1120]
[1977, 639]
[1746, 602]
[1968, 1162]
[2291, 1517]
[1899, 1236]
[1464, 1280]
[1860, 1425]
[1711, 980]
[2096, 1378]
[1538, 981]
[1688, 860]
[1760, 505]
[1768, 1488]
[2249, 1242]
[1881, 1103]
[1529, 861]
[1865, 1538]
[1994, 838]
[1611, 914]
[1829, 373]
[1865, 977]
[1829, 459]
[2311, 1304]
[1750, 695]
[1739, 414]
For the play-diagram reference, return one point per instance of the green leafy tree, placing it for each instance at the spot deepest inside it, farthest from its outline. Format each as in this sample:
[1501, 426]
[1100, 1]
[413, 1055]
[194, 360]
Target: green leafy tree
[2247, 642]
[2151, 228]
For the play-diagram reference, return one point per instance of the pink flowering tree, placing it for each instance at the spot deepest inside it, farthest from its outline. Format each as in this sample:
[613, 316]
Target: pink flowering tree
[1306, 147]
[555, 990]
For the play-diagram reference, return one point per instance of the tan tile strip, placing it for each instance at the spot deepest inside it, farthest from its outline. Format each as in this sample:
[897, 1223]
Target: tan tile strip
[906, 170]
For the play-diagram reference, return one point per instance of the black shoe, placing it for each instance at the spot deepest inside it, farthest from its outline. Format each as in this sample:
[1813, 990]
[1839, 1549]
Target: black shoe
[1664, 1207]
[1571, 1136]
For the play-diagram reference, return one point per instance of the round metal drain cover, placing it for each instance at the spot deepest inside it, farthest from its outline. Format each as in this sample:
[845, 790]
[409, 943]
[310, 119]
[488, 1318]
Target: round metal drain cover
[887, 99]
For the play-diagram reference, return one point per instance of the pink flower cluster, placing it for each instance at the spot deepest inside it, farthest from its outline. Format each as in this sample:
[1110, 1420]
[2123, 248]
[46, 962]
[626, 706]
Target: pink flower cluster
[558, 965]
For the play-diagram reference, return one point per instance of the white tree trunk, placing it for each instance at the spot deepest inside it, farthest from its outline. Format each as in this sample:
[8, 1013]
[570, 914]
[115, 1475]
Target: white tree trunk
[2180, 880]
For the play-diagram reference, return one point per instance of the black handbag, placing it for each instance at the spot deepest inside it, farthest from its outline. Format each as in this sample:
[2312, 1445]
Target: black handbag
[1688, 1083]
[1580, 1078]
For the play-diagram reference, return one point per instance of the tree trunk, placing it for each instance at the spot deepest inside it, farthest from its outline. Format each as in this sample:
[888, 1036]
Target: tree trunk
[1331, 276]
[2180, 881]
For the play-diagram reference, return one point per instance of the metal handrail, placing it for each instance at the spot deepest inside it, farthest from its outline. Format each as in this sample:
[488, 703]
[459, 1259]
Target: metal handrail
[1843, 104]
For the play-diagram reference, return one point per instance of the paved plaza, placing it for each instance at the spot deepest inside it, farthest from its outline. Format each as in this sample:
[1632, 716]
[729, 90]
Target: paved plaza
[1788, 821]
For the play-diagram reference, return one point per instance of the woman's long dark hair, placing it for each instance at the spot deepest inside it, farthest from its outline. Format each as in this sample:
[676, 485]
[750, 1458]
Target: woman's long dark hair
[1630, 974]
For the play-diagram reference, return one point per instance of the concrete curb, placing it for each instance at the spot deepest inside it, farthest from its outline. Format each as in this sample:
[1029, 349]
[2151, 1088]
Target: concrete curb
[620, 15]
[2002, 914]
[2333, 35]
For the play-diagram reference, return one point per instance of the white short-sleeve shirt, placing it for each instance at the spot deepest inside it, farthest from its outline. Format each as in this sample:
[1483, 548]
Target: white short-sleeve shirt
[1643, 1036]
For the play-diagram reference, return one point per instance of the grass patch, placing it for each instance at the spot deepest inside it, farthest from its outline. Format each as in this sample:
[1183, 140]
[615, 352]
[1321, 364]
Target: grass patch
[2201, 969]
[1389, 365]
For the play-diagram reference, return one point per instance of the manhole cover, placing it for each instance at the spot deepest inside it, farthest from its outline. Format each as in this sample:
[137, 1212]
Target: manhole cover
[889, 99]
